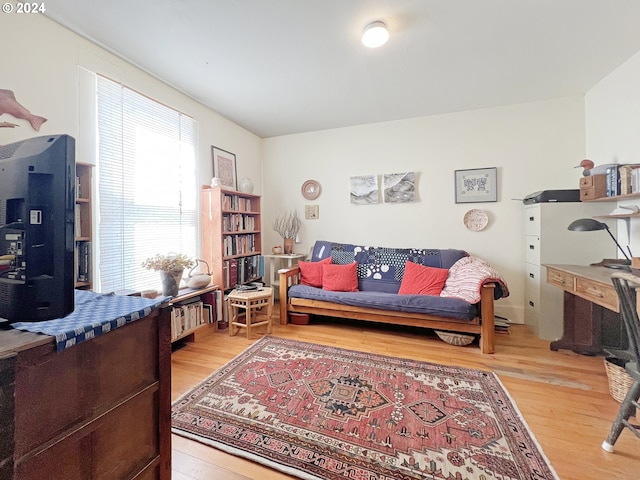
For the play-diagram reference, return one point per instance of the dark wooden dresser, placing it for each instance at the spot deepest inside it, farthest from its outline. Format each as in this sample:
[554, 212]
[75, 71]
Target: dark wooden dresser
[96, 410]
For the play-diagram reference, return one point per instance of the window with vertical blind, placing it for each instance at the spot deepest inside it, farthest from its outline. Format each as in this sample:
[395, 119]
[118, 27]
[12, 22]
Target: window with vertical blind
[146, 186]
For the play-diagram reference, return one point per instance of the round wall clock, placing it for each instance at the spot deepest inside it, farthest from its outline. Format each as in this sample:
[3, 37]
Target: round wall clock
[476, 220]
[310, 189]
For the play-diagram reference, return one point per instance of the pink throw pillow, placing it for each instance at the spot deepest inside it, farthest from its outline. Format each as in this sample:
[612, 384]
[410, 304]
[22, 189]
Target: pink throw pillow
[311, 272]
[340, 278]
[421, 280]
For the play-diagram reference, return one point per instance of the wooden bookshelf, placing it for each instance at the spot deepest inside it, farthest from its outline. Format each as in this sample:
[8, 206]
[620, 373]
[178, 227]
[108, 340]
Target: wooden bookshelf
[83, 274]
[231, 236]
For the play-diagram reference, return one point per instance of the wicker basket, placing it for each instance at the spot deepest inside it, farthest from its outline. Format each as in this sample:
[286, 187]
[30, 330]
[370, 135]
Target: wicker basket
[619, 380]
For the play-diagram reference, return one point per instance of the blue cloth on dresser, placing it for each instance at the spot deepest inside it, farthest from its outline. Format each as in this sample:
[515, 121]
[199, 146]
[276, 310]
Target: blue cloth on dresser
[94, 314]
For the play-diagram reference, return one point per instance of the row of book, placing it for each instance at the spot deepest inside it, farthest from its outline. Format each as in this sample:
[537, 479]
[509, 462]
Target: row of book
[78, 187]
[187, 316]
[622, 179]
[237, 222]
[239, 244]
[82, 262]
[78, 221]
[242, 270]
[236, 202]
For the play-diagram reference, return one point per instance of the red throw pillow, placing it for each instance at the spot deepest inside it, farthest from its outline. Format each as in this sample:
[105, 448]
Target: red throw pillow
[421, 280]
[311, 272]
[340, 278]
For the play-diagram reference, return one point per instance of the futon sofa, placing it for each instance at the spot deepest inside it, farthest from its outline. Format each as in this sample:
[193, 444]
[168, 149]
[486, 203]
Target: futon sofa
[439, 289]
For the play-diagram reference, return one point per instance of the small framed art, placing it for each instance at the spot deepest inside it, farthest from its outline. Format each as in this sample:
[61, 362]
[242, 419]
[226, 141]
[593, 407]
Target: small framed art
[476, 185]
[224, 167]
[311, 212]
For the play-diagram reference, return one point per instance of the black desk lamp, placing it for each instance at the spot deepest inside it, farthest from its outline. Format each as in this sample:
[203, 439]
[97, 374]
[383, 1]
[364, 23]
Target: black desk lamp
[590, 225]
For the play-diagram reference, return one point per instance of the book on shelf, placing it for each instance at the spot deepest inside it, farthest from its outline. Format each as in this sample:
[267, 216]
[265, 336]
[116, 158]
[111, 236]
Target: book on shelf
[82, 261]
[233, 271]
[219, 304]
[238, 203]
[630, 179]
[208, 313]
[186, 316]
[236, 222]
[239, 244]
[622, 179]
[78, 221]
[242, 270]
[625, 179]
[613, 181]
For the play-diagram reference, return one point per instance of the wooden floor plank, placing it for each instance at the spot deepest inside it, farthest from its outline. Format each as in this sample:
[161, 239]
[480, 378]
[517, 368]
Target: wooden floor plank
[563, 396]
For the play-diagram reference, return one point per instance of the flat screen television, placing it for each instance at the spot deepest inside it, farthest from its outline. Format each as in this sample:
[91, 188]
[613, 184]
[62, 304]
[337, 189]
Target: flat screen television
[37, 219]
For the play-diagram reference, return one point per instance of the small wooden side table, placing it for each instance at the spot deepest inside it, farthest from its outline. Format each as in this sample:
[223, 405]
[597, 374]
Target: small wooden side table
[253, 302]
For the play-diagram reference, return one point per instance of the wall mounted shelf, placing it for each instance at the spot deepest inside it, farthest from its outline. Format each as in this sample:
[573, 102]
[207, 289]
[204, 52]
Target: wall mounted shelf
[621, 216]
[616, 198]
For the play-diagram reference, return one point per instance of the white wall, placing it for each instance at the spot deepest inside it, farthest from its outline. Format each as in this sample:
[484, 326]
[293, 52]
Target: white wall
[49, 68]
[612, 124]
[44, 65]
[535, 147]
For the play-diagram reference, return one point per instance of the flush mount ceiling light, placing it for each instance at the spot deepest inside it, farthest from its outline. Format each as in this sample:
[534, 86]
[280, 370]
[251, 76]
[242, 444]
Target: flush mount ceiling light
[375, 35]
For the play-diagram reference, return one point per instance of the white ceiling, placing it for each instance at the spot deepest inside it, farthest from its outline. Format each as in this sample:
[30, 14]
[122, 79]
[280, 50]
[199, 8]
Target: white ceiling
[278, 67]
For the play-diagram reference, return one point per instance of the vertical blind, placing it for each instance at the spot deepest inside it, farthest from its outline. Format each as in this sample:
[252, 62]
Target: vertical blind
[146, 186]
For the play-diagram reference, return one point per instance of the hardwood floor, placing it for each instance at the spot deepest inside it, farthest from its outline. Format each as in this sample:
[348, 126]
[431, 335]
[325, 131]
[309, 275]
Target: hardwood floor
[563, 396]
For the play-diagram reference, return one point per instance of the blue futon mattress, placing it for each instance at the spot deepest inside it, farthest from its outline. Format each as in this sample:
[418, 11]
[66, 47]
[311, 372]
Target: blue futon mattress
[431, 305]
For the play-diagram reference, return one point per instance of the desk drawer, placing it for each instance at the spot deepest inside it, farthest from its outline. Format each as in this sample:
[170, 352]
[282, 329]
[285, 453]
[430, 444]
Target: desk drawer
[564, 280]
[597, 293]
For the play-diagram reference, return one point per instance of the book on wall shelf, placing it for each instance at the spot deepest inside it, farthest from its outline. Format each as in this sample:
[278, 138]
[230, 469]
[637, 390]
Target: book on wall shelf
[231, 236]
[610, 182]
[622, 179]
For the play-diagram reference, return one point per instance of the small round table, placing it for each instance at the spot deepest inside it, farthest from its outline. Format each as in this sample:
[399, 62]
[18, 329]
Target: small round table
[253, 302]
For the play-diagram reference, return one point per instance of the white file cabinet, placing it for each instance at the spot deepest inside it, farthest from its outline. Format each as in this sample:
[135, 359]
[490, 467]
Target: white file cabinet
[547, 240]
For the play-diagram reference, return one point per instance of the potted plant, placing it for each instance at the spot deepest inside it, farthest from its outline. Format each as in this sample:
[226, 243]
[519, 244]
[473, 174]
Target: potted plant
[171, 267]
[287, 226]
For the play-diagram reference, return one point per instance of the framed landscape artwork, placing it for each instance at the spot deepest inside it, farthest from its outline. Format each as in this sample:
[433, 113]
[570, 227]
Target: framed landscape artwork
[476, 185]
[224, 167]
[364, 189]
[399, 187]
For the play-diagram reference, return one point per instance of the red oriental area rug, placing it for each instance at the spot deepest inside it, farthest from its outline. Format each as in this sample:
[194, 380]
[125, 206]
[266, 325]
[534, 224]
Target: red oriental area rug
[319, 412]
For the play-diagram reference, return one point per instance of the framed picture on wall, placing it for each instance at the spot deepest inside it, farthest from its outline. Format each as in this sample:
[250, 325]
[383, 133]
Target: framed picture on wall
[399, 187]
[476, 185]
[224, 167]
[364, 189]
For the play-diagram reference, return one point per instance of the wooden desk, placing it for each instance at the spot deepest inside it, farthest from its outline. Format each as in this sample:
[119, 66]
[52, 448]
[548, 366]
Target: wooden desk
[591, 311]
